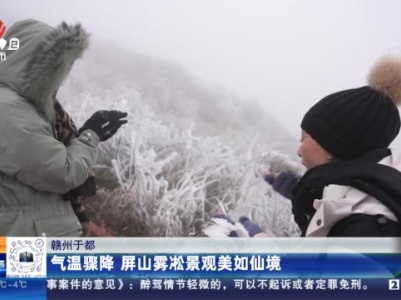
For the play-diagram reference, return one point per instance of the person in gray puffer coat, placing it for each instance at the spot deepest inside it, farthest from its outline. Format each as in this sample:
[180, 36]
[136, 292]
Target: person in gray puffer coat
[35, 167]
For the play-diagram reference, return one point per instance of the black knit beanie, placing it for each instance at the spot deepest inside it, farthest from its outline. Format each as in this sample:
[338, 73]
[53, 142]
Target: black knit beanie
[349, 123]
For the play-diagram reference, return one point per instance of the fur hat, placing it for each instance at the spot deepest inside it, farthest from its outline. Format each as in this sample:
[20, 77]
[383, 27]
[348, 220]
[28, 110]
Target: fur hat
[353, 122]
[44, 59]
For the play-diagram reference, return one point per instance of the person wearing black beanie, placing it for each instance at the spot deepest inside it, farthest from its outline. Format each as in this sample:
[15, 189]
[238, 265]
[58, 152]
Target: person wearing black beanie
[352, 187]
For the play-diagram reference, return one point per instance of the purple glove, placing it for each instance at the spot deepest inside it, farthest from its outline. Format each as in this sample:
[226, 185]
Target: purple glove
[252, 228]
[229, 220]
[283, 183]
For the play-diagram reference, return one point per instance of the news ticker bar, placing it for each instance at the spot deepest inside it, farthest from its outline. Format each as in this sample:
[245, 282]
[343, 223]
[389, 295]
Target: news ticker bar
[254, 288]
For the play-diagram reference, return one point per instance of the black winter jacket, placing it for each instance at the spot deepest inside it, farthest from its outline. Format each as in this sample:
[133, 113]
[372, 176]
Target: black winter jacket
[360, 225]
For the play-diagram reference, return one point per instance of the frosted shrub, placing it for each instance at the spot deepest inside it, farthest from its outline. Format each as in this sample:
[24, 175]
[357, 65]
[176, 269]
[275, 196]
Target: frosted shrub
[159, 180]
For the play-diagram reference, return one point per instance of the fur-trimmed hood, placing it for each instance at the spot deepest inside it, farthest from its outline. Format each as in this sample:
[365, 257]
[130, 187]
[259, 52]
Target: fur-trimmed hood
[44, 59]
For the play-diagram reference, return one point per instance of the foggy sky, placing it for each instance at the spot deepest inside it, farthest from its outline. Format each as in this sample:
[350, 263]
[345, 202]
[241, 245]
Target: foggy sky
[287, 54]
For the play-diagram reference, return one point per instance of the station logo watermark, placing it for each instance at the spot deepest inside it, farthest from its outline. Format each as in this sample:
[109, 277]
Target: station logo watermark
[12, 44]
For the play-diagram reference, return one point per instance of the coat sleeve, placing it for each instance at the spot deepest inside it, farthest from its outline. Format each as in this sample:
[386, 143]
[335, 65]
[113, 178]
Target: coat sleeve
[31, 154]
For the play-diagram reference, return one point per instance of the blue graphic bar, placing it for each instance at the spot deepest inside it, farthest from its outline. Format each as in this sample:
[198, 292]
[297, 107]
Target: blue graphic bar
[23, 288]
[228, 265]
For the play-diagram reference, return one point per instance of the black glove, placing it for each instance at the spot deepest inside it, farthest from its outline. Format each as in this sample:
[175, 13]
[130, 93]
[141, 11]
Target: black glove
[105, 123]
[88, 188]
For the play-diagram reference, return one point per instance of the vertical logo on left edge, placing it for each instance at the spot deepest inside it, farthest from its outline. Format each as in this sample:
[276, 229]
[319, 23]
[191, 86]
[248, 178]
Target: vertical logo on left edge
[2, 257]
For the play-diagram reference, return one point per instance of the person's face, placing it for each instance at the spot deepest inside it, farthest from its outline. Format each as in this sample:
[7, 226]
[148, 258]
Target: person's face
[311, 152]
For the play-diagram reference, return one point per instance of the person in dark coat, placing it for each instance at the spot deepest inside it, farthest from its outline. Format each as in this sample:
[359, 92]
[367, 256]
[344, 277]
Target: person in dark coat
[352, 187]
